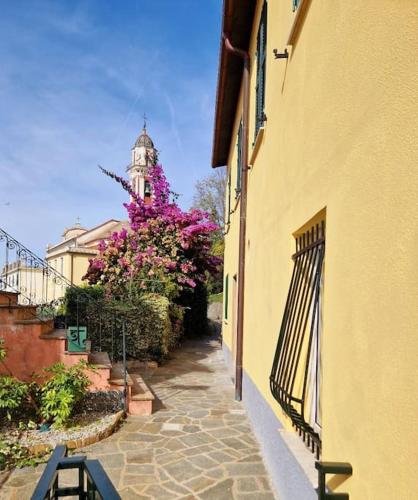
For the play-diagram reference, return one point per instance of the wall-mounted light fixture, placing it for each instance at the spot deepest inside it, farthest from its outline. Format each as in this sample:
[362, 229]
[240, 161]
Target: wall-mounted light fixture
[281, 55]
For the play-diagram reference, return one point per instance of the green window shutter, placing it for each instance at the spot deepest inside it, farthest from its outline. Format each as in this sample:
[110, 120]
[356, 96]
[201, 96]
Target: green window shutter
[261, 70]
[226, 297]
[239, 161]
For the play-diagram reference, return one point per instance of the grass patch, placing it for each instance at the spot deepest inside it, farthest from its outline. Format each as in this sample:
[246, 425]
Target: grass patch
[217, 297]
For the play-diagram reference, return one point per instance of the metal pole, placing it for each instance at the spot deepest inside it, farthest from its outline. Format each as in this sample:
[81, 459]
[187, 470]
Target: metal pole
[125, 378]
[78, 321]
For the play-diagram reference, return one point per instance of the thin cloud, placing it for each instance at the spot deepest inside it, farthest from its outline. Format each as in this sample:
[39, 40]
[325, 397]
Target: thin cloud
[76, 79]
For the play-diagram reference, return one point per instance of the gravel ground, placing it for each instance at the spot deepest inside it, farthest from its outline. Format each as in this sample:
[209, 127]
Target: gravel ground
[92, 415]
[57, 436]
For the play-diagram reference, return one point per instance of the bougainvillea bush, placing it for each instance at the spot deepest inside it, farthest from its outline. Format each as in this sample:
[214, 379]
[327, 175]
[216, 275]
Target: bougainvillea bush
[164, 250]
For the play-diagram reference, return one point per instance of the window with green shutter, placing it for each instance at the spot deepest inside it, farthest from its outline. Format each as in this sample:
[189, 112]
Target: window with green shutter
[261, 70]
[226, 297]
[239, 161]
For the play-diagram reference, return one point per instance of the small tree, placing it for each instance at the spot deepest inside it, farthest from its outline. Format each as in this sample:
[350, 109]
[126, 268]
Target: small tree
[210, 196]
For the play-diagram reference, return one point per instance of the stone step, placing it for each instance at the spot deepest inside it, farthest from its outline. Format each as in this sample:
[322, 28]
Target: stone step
[100, 359]
[43, 326]
[58, 333]
[140, 390]
[141, 398]
[116, 376]
[11, 312]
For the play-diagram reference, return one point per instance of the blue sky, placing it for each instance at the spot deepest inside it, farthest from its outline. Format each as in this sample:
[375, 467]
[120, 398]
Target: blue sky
[75, 80]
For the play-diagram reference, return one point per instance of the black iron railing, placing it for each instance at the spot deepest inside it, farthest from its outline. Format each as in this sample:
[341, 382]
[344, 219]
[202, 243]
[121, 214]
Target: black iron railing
[39, 284]
[324, 468]
[294, 378]
[93, 482]
[24, 272]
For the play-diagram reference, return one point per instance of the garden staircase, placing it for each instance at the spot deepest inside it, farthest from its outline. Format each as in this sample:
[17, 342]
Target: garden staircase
[33, 344]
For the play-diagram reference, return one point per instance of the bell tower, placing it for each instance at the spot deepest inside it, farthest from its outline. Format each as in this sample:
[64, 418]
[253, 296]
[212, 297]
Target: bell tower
[144, 155]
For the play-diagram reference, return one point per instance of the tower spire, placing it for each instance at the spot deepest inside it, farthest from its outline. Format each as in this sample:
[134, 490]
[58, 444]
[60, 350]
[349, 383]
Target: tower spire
[144, 155]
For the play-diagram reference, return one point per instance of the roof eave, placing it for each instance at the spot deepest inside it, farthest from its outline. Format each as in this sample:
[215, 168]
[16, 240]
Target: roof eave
[237, 21]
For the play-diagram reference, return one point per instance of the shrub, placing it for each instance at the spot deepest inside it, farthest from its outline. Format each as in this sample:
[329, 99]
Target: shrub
[177, 326]
[13, 393]
[78, 301]
[60, 393]
[147, 328]
[149, 335]
[152, 324]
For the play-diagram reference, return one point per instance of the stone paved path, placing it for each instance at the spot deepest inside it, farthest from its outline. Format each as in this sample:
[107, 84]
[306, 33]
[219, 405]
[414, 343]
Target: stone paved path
[197, 445]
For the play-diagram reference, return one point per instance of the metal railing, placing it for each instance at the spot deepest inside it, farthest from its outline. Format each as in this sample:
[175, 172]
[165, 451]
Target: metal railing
[93, 482]
[39, 284]
[23, 272]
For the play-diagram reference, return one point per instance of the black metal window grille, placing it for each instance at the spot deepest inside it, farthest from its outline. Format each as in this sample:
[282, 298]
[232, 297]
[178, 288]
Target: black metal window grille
[261, 70]
[239, 161]
[294, 375]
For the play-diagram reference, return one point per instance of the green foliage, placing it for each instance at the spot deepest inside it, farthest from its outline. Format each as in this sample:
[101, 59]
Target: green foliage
[78, 301]
[217, 297]
[3, 351]
[54, 400]
[214, 281]
[60, 393]
[13, 454]
[151, 322]
[148, 327]
[218, 247]
[13, 393]
[176, 313]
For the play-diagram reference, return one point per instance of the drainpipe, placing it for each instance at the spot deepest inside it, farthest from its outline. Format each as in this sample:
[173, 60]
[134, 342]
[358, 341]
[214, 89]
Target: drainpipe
[243, 213]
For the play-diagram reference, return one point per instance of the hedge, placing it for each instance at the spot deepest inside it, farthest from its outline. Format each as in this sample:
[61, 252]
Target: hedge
[153, 326]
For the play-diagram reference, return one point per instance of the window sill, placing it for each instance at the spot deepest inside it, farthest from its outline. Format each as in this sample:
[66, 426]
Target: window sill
[300, 16]
[256, 145]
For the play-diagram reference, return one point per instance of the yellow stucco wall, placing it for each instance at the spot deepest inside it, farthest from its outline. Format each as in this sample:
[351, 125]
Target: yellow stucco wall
[80, 266]
[341, 133]
[73, 266]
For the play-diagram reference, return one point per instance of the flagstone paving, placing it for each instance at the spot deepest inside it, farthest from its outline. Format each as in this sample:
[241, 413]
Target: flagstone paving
[197, 445]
